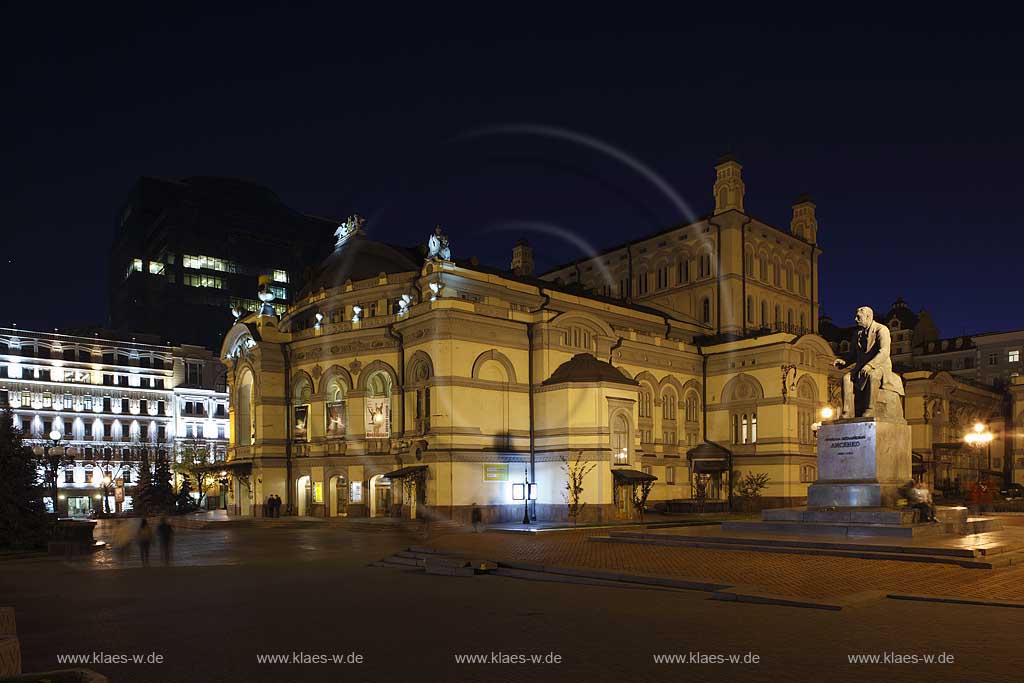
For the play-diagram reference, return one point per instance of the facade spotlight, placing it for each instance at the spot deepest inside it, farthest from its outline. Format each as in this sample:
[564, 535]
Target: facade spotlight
[827, 413]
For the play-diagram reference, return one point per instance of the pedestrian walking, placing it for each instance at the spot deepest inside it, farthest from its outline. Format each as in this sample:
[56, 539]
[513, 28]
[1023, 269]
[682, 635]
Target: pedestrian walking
[144, 537]
[476, 517]
[268, 507]
[165, 534]
[123, 537]
[277, 505]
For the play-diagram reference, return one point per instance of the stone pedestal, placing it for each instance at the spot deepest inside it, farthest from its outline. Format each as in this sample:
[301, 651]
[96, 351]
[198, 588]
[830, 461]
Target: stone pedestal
[862, 462]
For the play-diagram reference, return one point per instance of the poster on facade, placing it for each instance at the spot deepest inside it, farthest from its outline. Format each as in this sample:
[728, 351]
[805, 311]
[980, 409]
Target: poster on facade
[378, 418]
[335, 419]
[300, 430]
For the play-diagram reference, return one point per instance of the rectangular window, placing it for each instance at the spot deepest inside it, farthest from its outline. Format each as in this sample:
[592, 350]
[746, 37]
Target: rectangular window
[162, 433]
[281, 276]
[279, 292]
[67, 401]
[193, 373]
[670, 475]
[47, 400]
[69, 476]
[1013, 356]
[156, 268]
[143, 406]
[202, 280]
[993, 359]
[87, 402]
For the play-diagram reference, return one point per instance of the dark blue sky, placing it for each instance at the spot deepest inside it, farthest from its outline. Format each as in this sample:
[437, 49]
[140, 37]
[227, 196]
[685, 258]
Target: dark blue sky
[907, 136]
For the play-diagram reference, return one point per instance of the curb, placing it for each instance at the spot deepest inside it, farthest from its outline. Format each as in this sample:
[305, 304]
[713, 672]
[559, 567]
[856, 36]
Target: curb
[756, 597]
[956, 601]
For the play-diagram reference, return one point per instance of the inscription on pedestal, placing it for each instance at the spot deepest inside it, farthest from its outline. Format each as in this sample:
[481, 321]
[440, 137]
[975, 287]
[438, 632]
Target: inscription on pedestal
[847, 451]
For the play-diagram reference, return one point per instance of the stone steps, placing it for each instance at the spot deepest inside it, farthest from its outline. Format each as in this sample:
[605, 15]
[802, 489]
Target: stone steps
[969, 560]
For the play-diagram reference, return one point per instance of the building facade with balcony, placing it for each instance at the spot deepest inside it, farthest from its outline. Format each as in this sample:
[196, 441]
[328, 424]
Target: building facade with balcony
[109, 398]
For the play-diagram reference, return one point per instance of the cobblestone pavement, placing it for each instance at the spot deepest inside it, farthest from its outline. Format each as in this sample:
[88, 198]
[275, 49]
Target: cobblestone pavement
[797, 575]
[233, 595]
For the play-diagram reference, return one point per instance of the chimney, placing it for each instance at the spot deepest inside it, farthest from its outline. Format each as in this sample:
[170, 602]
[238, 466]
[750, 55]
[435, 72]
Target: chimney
[804, 224]
[522, 259]
[729, 188]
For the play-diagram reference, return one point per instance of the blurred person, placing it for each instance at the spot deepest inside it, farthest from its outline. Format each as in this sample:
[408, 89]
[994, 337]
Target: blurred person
[165, 534]
[476, 517]
[144, 537]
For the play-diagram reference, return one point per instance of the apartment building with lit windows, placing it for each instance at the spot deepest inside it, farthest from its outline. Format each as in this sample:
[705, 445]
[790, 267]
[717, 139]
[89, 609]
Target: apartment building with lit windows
[110, 398]
[187, 251]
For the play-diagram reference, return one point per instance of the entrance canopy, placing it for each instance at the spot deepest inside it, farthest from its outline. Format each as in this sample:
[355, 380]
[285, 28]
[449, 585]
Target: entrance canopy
[708, 457]
[630, 476]
[404, 472]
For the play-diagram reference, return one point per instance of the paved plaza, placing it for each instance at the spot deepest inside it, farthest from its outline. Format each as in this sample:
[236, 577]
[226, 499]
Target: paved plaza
[233, 595]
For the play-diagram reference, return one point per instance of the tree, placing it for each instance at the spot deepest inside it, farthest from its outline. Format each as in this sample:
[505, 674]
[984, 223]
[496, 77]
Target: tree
[576, 471]
[641, 489]
[162, 496]
[193, 461]
[23, 519]
[750, 487]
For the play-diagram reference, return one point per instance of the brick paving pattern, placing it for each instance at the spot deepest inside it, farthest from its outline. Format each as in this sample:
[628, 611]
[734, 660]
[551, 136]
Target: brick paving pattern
[797, 575]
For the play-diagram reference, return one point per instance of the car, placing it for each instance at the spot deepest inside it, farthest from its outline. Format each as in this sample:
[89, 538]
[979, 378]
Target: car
[1012, 491]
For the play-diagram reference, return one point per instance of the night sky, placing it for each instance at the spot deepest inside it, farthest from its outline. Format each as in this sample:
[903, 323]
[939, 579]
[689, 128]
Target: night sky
[573, 131]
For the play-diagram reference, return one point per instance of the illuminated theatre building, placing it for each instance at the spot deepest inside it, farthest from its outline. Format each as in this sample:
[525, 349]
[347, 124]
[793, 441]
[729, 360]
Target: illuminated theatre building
[108, 399]
[399, 384]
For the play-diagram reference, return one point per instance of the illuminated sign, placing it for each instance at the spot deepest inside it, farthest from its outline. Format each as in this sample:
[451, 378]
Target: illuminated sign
[496, 471]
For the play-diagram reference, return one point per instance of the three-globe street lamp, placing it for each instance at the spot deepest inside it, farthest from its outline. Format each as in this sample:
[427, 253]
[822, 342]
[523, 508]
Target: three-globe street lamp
[54, 455]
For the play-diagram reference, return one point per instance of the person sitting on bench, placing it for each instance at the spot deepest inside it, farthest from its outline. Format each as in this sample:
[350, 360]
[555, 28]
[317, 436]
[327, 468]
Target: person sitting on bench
[919, 497]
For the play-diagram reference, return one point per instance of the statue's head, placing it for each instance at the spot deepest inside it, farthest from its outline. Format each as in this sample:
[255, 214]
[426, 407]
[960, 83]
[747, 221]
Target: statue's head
[864, 316]
[437, 229]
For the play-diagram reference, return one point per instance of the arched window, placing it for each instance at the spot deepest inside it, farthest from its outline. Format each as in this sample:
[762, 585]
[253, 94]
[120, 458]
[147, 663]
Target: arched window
[750, 310]
[803, 322]
[683, 271]
[705, 310]
[763, 267]
[789, 277]
[778, 274]
[620, 439]
[789, 319]
[748, 263]
[244, 411]
[764, 314]
[668, 405]
[691, 407]
[646, 401]
[778, 316]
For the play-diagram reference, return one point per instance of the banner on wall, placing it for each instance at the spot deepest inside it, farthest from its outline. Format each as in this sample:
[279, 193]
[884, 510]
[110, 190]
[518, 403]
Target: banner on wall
[300, 430]
[378, 418]
[335, 419]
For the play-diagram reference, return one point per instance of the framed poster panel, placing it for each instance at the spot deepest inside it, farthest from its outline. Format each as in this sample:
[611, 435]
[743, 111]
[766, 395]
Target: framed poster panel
[335, 419]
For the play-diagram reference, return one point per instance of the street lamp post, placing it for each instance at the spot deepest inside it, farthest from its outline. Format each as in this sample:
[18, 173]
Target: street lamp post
[54, 454]
[980, 436]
